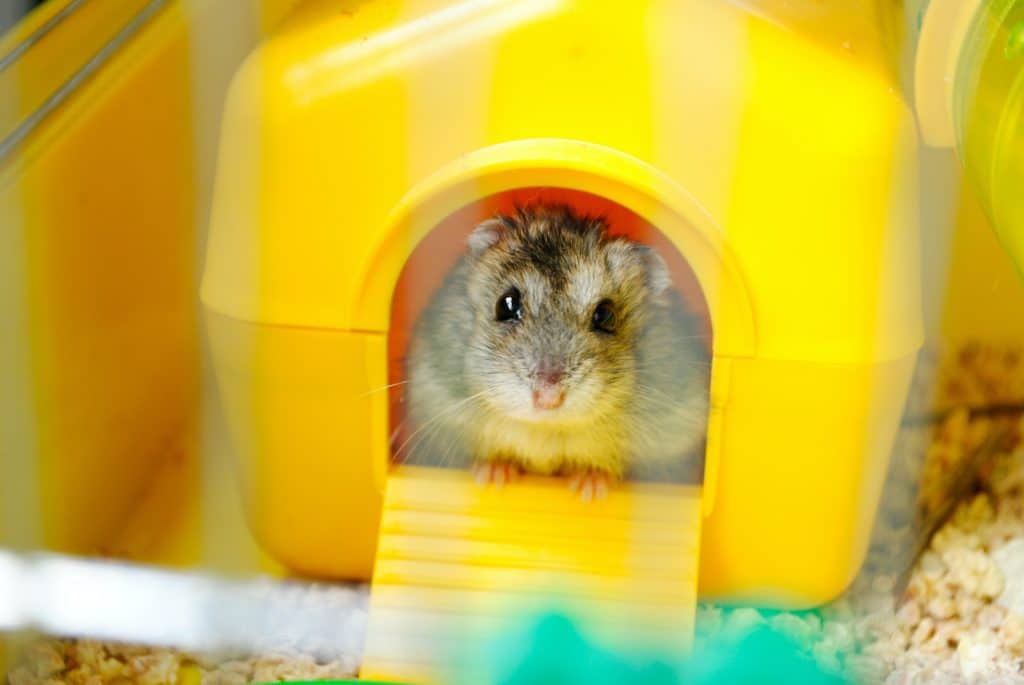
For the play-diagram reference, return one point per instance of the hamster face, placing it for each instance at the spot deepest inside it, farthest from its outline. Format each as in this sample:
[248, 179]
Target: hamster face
[557, 307]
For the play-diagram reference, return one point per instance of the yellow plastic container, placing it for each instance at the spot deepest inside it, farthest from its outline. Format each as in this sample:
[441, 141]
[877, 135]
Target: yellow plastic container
[766, 143]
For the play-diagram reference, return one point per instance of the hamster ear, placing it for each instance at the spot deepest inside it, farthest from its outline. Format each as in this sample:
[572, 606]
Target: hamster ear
[658, 278]
[486, 235]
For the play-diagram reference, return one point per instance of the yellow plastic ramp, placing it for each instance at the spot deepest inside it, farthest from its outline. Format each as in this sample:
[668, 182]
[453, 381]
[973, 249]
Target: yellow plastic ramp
[456, 561]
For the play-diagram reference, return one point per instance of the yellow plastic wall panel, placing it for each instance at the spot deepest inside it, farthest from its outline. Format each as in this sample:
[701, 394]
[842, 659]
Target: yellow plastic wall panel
[108, 263]
[797, 486]
[316, 459]
[98, 207]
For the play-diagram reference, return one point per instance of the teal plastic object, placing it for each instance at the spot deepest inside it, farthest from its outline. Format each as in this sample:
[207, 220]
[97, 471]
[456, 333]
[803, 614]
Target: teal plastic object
[763, 657]
[556, 653]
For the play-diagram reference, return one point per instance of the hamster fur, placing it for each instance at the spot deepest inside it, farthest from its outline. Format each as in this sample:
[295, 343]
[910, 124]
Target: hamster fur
[554, 348]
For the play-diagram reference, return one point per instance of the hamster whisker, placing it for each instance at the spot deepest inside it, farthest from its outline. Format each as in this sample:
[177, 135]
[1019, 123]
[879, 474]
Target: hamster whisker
[437, 418]
[425, 439]
[450, 447]
[661, 368]
[406, 382]
[427, 433]
[642, 388]
[449, 454]
[687, 337]
[664, 402]
[384, 387]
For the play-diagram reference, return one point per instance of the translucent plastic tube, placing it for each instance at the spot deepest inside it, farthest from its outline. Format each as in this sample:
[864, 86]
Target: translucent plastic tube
[69, 597]
[969, 93]
[988, 111]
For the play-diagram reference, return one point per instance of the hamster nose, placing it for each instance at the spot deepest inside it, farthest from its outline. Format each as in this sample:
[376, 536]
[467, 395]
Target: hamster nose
[546, 378]
[548, 397]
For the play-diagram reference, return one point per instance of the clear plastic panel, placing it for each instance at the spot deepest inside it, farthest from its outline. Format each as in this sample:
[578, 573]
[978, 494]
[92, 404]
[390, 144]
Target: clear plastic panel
[251, 254]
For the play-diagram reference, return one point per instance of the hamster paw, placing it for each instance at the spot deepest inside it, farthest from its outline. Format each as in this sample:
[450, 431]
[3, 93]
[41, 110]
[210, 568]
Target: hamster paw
[590, 485]
[496, 472]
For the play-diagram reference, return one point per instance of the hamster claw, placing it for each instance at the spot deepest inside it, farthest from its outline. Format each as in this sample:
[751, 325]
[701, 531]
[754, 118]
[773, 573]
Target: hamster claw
[496, 473]
[590, 485]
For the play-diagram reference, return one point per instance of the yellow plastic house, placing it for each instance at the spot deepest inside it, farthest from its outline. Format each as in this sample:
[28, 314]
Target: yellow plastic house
[766, 143]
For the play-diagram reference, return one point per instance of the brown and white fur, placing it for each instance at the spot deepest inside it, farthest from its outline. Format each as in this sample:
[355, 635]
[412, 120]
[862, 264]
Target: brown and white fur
[512, 367]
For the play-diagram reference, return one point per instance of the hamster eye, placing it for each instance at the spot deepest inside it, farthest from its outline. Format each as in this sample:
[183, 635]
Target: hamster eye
[509, 307]
[604, 319]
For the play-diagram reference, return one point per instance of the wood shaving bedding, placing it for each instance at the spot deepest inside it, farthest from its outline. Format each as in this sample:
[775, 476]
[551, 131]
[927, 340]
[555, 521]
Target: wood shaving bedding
[957, 621]
[90, 663]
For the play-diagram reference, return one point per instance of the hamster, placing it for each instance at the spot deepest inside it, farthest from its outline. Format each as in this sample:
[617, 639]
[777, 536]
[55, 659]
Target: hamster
[553, 348]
